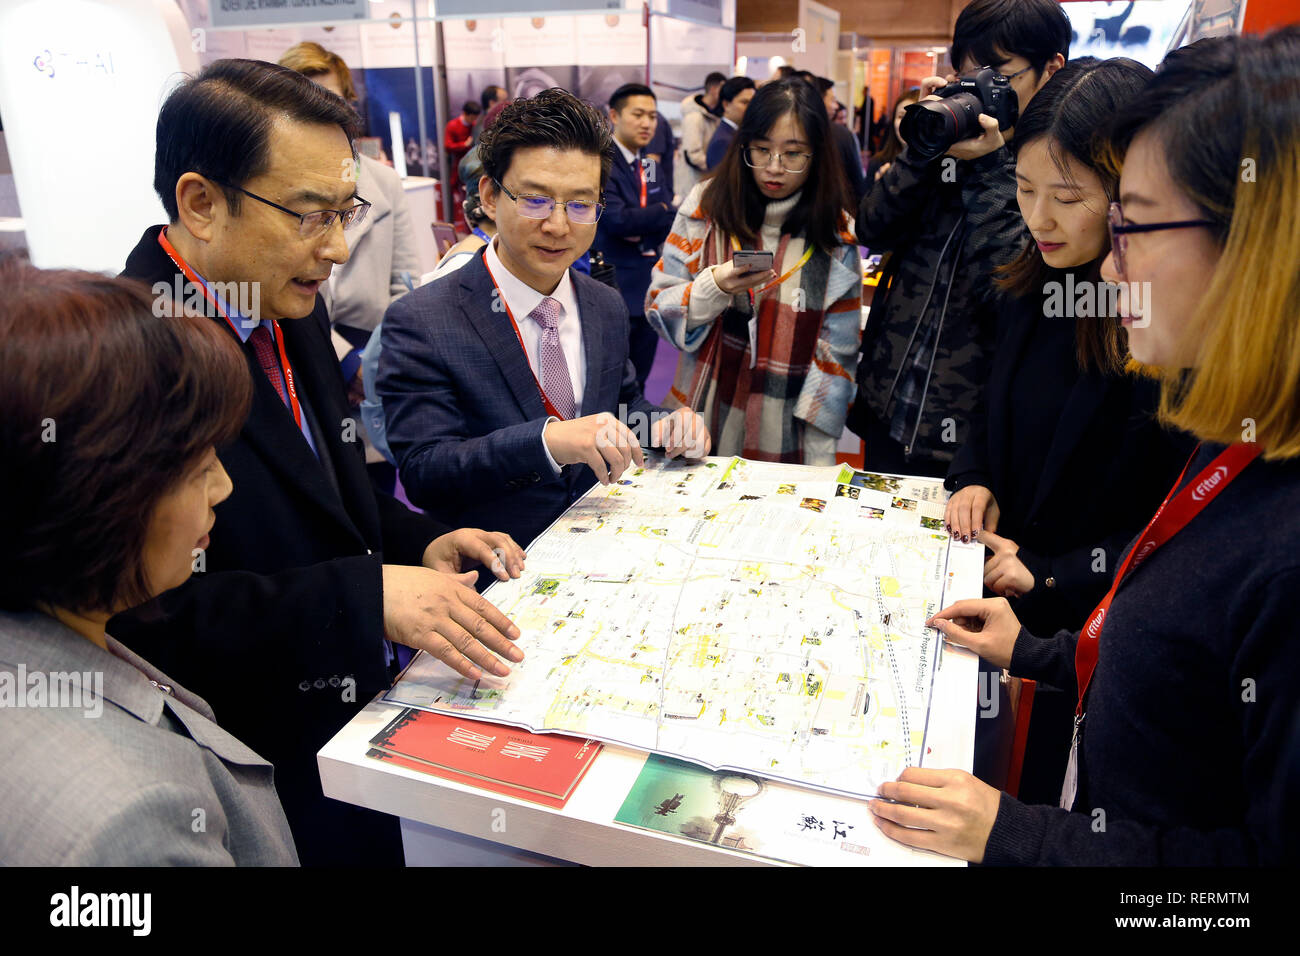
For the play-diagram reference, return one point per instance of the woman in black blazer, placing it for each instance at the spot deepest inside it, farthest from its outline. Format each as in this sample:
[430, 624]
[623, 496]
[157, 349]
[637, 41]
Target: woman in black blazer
[1067, 461]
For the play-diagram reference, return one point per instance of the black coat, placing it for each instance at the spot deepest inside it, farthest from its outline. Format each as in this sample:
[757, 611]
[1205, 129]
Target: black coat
[1107, 467]
[282, 632]
[946, 227]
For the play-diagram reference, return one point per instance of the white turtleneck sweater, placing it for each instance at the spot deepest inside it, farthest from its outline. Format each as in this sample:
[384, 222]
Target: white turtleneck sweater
[707, 301]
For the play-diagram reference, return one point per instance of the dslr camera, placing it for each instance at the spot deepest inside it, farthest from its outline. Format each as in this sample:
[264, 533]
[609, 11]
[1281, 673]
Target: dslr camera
[930, 127]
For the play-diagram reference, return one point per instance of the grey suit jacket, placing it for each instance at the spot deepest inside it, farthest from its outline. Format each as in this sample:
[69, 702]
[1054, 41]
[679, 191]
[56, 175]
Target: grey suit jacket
[380, 249]
[124, 773]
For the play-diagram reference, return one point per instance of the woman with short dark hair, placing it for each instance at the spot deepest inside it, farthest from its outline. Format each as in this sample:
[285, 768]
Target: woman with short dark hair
[112, 417]
[767, 354]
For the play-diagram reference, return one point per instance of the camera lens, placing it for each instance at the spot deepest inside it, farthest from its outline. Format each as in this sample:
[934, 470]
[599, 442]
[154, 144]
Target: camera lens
[929, 128]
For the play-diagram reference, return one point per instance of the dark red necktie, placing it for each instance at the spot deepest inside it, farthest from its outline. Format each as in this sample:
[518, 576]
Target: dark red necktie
[265, 349]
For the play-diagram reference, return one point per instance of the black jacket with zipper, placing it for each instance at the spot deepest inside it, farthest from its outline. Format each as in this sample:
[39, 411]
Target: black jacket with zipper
[946, 224]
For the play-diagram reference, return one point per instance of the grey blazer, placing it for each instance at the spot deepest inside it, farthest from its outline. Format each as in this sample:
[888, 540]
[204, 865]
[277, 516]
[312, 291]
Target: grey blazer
[129, 770]
[380, 249]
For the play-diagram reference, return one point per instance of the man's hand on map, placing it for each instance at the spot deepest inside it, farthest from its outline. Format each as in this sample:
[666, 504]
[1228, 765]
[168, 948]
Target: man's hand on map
[987, 626]
[1004, 572]
[601, 441]
[947, 811]
[682, 433]
[495, 550]
[971, 510]
[443, 614]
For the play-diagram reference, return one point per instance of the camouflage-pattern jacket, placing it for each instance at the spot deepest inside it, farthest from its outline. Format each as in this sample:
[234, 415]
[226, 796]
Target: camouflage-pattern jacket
[946, 224]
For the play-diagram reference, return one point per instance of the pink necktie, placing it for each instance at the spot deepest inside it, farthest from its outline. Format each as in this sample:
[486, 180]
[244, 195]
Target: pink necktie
[555, 370]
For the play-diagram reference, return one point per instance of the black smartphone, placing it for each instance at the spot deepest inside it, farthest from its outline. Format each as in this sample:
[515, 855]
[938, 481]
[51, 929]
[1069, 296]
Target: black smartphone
[752, 260]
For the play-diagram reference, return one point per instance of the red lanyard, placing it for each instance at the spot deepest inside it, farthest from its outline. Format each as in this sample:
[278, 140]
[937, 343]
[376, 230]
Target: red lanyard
[640, 168]
[275, 329]
[550, 409]
[1198, 493]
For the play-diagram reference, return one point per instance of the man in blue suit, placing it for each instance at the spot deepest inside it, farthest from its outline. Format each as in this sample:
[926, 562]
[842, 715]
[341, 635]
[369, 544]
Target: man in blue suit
[735, 96]
[638, 214]
[506, 385]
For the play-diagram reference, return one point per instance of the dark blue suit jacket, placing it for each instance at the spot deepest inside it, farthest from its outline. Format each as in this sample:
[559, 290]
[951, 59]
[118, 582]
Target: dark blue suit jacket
[463, 411]
[718, 146]
[625, 228]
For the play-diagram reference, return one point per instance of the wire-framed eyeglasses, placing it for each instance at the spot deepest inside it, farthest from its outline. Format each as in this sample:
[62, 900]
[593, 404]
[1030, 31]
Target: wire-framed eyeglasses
[791, 161]
[580, 211]
[312, 224]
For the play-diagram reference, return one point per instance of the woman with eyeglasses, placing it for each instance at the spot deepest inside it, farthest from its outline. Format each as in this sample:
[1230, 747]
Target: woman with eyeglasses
[110, 477]
[1187, 673]
[1067, 462]
[767, 352]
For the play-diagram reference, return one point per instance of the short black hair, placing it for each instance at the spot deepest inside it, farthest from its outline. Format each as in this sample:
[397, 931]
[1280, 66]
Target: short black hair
[627, 90]
[823, 84]
[734, 87]
[218, 124]
[489, 96]
[471, 108]
[553, 118]
[992, 31]
[714, 79]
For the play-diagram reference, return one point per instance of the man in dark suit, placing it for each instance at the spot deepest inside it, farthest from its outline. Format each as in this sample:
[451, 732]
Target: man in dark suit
[506, 385]
[308, 569]
[846, 146]
[638, 214]
[735, 97]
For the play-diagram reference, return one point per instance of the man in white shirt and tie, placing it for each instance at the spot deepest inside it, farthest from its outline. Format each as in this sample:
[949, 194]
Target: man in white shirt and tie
[506, 385]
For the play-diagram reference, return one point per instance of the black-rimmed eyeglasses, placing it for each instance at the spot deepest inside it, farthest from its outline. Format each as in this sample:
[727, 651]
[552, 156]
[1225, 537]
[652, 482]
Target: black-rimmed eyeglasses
[1119, 232]
[312, 224]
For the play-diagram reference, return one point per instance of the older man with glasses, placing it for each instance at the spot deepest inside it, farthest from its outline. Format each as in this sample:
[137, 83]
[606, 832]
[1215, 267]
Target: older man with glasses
[506, 385]
[309, 572]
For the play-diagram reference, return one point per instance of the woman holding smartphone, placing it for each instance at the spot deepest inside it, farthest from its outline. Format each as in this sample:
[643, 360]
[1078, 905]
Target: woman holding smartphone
[1188, 671]
[768, 352]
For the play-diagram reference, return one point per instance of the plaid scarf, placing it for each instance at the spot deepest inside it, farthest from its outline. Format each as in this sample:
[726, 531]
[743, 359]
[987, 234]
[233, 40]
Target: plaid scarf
[807, 337]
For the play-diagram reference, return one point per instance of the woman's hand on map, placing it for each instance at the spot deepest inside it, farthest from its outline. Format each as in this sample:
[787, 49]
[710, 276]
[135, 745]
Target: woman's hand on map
[987, 626]
[971, 510]
[1004, 572]
[947, 811]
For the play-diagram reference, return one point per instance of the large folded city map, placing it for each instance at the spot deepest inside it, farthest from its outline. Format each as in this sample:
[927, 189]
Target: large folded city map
[744, 615]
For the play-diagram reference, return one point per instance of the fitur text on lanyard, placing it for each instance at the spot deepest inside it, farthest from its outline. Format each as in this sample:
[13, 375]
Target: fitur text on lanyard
[550, 408]
[1171, 517]
[194, 277]
[640, 168]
